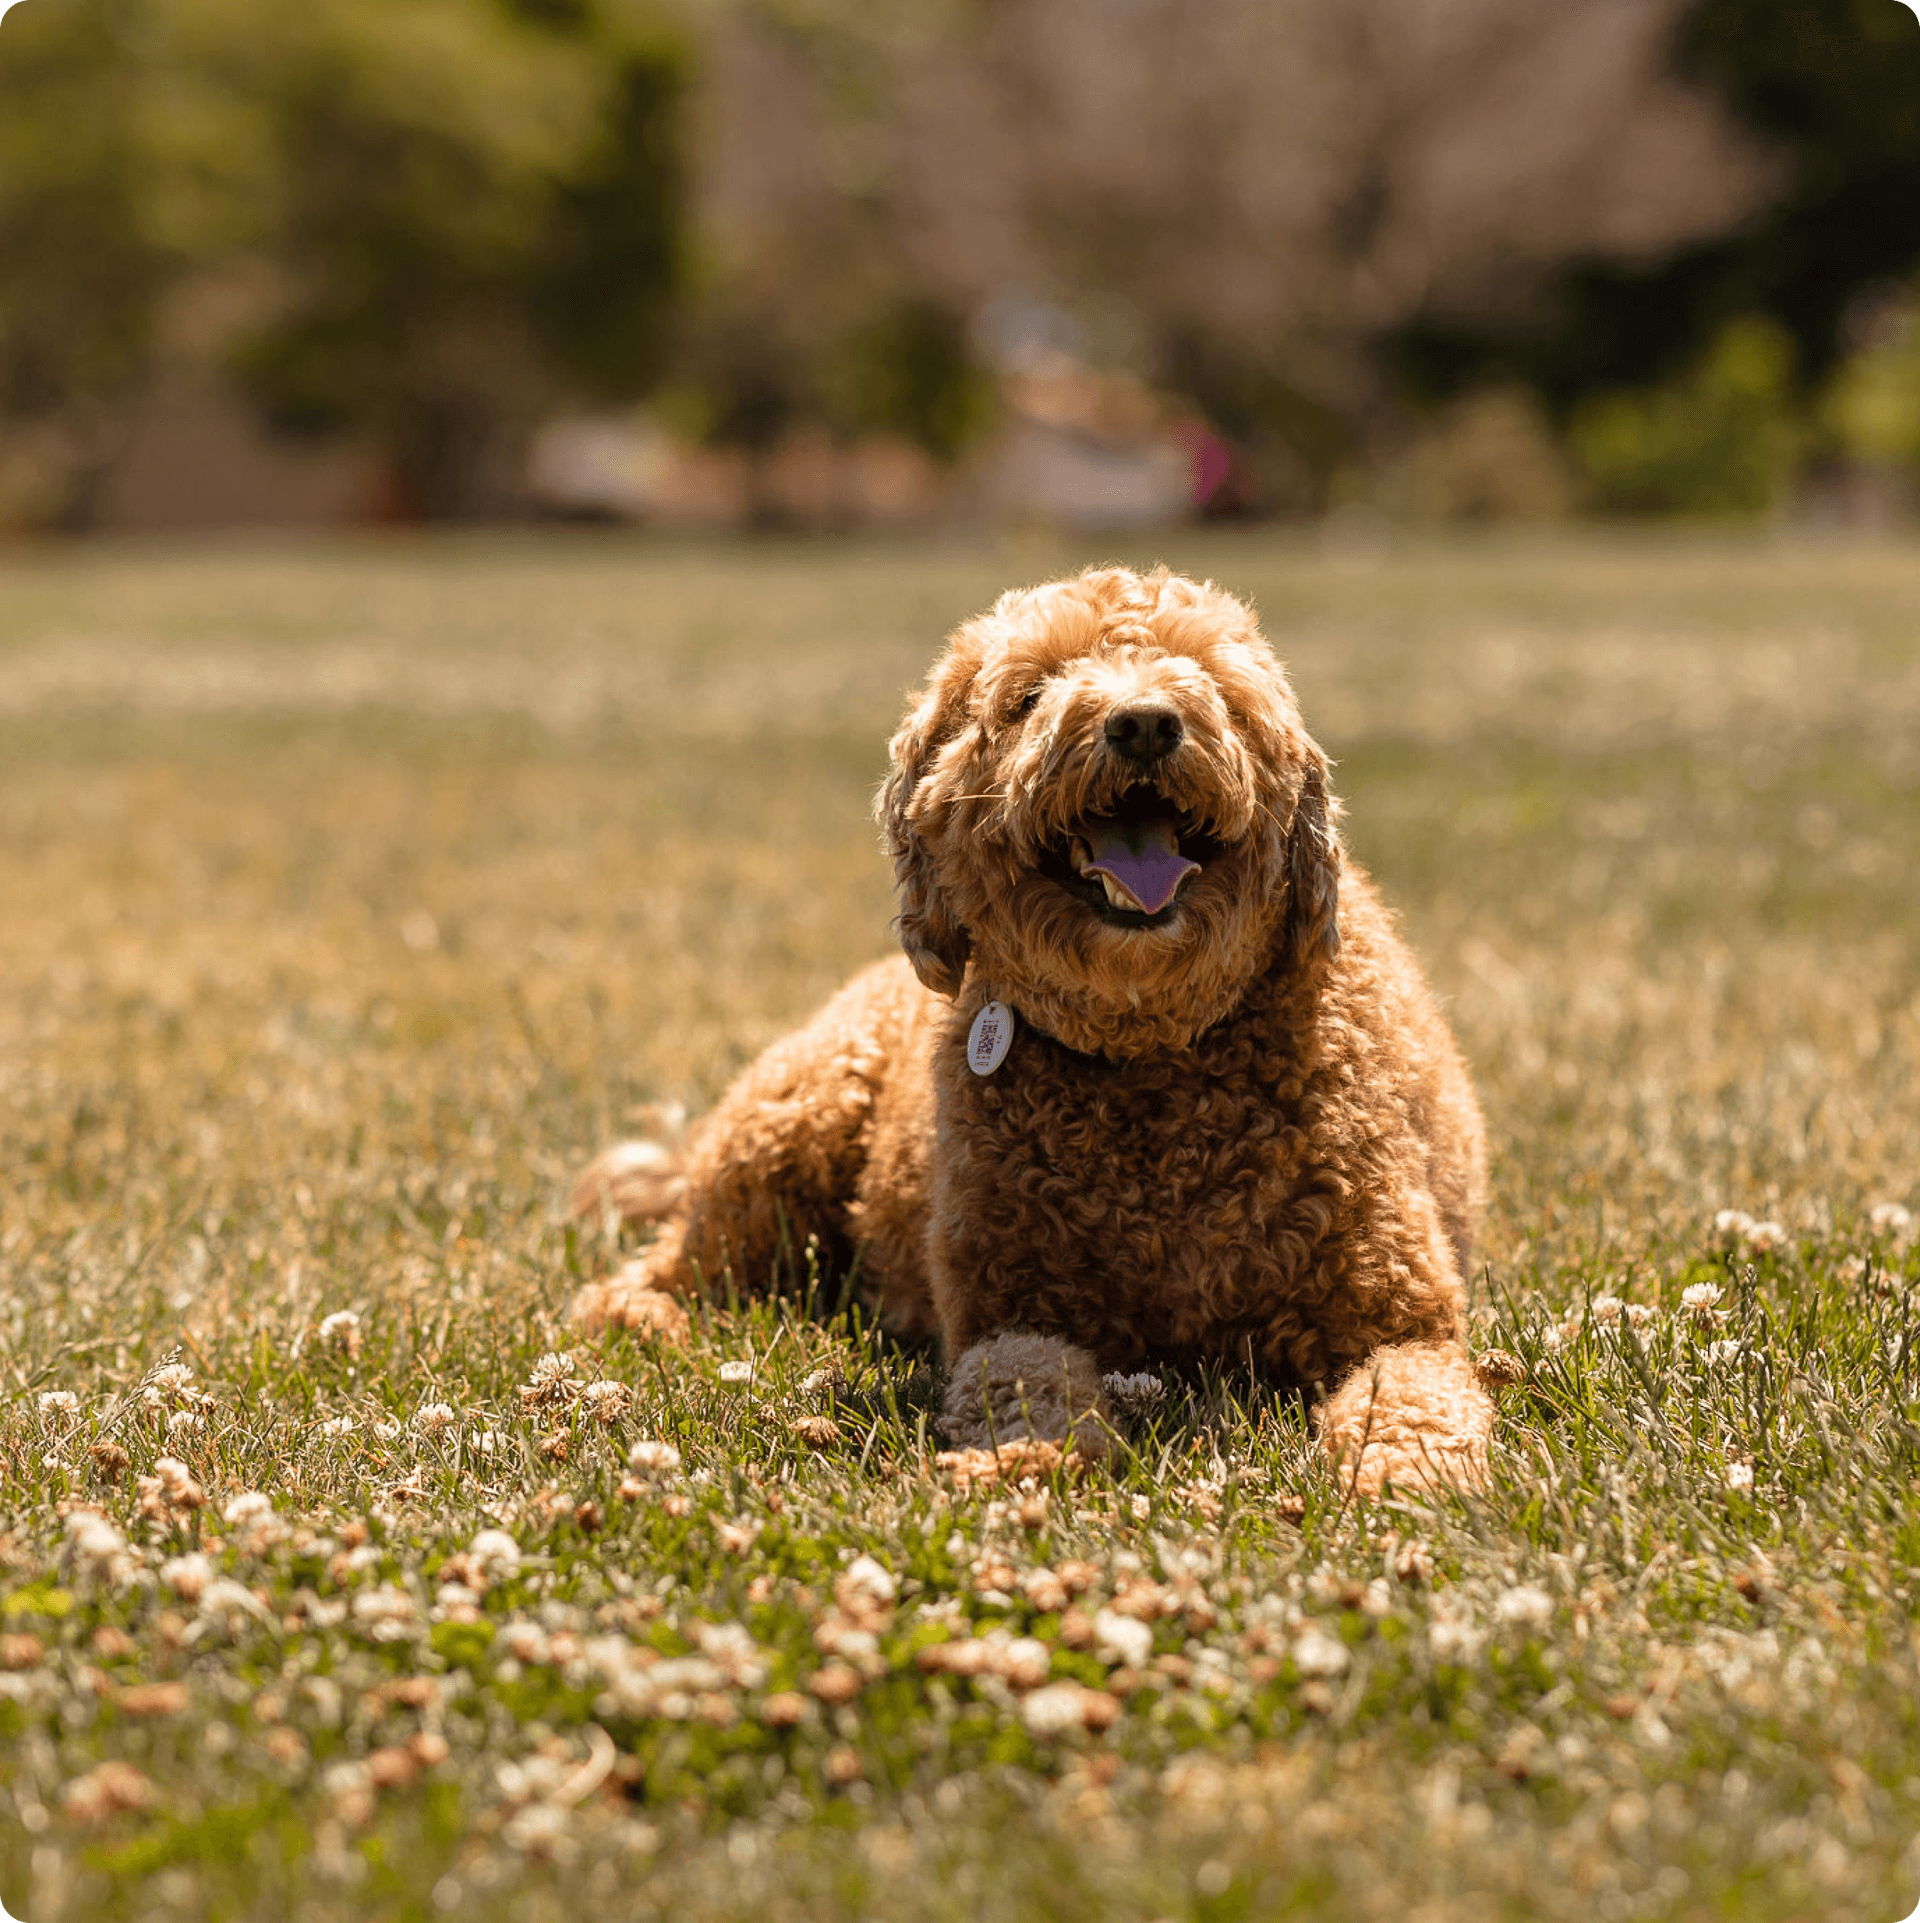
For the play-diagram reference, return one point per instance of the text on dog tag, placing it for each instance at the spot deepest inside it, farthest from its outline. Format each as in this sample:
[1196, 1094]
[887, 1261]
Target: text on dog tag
[989, 1038]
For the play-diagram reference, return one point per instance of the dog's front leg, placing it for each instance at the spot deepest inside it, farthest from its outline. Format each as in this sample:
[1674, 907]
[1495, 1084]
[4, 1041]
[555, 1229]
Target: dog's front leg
[1017, 1384]
[1412, 1414]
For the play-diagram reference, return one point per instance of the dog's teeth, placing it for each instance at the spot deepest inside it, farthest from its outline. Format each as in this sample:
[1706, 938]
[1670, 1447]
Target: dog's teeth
[1116, 895]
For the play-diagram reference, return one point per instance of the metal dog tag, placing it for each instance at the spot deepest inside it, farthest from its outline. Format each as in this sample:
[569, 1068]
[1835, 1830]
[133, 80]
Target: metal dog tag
[989, 1038]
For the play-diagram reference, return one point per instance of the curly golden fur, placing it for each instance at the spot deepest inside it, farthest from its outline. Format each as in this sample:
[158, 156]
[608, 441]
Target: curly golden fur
[1232, 1124]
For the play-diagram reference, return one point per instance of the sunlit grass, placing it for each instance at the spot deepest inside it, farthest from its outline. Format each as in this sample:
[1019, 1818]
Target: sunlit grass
[349, 898]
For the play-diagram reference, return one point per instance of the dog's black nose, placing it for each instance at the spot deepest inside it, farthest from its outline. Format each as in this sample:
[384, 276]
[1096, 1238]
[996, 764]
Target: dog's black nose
[1145, 731]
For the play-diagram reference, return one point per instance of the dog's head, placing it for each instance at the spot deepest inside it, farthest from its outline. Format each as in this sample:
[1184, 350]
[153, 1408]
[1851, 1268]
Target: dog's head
[1106, 802]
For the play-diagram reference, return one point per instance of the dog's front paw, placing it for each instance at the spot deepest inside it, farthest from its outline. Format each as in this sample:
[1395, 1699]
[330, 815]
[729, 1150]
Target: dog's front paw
[1018, 1385]
[628, 1299]
[1413, 1415]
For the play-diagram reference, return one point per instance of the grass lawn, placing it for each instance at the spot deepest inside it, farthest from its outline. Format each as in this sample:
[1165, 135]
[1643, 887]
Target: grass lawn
[350, 896]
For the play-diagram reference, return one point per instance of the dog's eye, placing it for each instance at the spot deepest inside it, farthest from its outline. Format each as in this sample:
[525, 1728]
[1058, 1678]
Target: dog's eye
[1028, 701]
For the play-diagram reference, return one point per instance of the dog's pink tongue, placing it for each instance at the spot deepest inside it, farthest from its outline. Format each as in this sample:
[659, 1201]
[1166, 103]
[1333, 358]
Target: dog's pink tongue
[1141, 858]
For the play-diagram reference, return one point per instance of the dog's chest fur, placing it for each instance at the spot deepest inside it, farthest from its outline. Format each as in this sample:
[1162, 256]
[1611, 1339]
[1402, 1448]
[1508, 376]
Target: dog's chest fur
[1170, 1207]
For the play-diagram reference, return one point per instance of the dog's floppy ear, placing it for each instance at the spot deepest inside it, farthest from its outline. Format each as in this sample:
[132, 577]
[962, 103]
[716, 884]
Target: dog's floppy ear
[1313, 867]
[936, 944]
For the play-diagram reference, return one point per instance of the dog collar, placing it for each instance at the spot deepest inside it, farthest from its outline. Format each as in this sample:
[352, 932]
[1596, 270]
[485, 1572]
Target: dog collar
[991, 1037]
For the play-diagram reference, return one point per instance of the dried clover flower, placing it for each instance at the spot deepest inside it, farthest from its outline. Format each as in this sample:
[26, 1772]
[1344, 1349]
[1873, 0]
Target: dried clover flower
[341, 1330]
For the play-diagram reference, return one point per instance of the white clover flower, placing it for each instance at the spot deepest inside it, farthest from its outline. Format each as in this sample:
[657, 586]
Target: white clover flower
[1607, 1308]
[338, 1426]
[1315, 1653]
[496, 1552]
[177, 1483]
[250, 1505]
[736, 1375]
[225, 1601]
[527, 1642]
[187, 1576]
[1525, 1606]
[540, 1830]
[552, 1381]
[93, 1537]
[653, 1458]
[1122, 1639]
[388, 1430]
[341, 1330]
[1890, 1218]
[434, 1418]
[1638, 1314]
[1057, 1708]
[386, 1604]
[607, 1402]
[183, 1422]
[1700, 1298]
[868, 1580]
[1136, 1393]
[732, 1647]
[59, 1405]
[172, 1379]
[486, 1441]
[1455, 1639]
[1740, 1476]
[1765, 1236]
[1722, 1352]
[344, 1779]
[1734, 1222]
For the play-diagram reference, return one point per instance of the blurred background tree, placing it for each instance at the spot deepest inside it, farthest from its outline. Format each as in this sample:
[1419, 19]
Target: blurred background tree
[1831, 90]
[445, 214]
[1249, 200]
[470, 208]
[120, 168]
[1645, 231]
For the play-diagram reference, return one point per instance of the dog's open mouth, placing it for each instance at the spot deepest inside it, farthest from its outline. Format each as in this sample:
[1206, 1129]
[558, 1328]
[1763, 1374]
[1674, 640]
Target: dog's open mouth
[1131, 865]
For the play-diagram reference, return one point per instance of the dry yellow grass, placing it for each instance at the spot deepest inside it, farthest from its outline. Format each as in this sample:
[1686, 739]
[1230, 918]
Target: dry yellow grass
[601, 816]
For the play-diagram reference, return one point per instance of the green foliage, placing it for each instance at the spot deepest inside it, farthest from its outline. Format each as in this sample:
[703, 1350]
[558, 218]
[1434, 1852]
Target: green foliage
[1830, 90]
[461, 1645]
[1834, 86]
[610, 264]
[120, 167]
[1871, 407]
[910, 372]
[37, 1599]
[1723, 439]
[465, 203]
[454, 209]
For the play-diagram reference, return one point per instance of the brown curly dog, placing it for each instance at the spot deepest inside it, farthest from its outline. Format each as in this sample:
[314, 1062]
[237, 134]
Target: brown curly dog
[1161, 1083]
